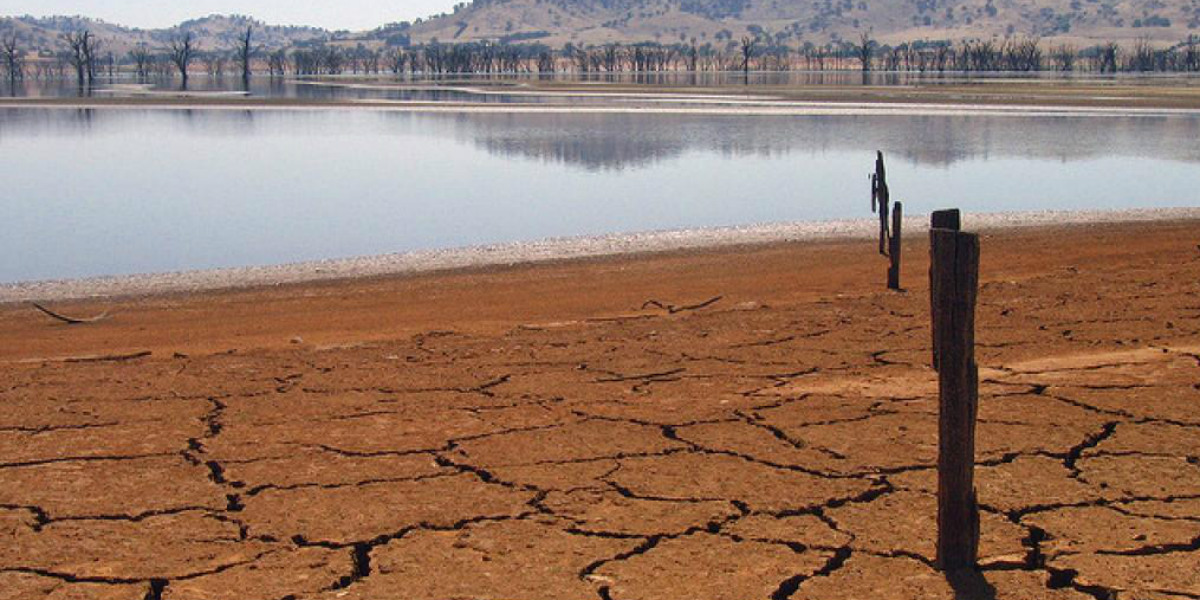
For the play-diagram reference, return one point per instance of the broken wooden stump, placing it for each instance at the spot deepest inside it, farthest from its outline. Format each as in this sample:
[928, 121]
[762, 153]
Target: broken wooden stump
[880, 201]
[950, 219]
[954, 281]
[894, 248]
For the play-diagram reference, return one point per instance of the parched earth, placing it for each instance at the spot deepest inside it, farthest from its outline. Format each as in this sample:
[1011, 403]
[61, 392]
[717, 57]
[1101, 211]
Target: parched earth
[769, 444]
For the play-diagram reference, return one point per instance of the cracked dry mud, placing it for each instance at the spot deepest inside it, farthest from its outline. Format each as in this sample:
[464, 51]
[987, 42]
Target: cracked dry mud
[779, 443]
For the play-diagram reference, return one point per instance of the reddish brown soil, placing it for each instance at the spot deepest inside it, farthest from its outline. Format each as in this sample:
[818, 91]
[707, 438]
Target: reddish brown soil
[537, 432]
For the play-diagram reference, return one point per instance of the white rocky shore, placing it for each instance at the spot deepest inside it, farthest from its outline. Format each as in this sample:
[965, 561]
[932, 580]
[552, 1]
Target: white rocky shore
[540, 251]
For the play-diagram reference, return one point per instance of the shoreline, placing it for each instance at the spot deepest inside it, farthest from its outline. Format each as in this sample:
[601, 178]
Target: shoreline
[550, 250]
[701, 107]
[1178, 95]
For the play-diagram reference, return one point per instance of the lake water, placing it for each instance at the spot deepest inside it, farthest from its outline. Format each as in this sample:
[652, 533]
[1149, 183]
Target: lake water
[110, 192]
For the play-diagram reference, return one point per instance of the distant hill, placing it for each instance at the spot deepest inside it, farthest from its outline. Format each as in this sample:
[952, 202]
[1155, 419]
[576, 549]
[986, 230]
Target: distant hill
[213, 33]
[721, 23]
[796, 22]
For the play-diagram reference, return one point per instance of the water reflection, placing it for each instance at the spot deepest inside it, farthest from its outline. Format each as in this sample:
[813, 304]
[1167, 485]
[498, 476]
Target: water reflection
[616, 142]
[601, 142]
[92, 192]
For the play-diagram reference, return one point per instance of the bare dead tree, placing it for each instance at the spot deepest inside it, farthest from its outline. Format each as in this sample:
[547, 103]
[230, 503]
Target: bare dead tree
[214, 64]
[1064, 57]
[141, 58]
[1143, 58]
[277, 63]
[371, 61]
[244, 52]
[91, 52]
[748, 48]
[182, 52]
[1191, 57]
[77, 53]
[1107, 57]
[395, 60]
[14, 58]
[865, 49]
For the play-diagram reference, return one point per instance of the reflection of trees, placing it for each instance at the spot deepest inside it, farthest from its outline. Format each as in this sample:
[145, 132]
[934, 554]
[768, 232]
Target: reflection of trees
[613, 142]
[86, 121]
[943, 141]
[609, 142]
[594, 142]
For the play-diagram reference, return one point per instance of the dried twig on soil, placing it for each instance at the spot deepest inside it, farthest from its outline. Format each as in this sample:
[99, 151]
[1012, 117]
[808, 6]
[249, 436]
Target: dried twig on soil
[672, 309]
[642, 376]
[108, 357]
[69, 320]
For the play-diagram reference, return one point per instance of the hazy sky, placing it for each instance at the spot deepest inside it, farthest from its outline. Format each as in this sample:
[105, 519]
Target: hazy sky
[335, 14]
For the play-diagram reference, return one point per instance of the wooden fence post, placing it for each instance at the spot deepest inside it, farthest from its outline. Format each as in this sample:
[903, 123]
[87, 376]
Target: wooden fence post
[880, 200]
[942, 219]
[954, 274]
[894, 247]
[947, 219]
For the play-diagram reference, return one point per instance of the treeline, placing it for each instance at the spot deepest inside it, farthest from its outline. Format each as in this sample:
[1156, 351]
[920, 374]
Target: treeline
[85, 58]
[1028, 55]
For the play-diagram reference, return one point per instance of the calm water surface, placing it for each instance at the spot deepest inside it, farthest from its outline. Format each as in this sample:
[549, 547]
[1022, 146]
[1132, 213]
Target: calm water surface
[98, 192]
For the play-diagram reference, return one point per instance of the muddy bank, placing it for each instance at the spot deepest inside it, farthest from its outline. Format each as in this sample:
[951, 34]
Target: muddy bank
[745, 422]
[541, 251]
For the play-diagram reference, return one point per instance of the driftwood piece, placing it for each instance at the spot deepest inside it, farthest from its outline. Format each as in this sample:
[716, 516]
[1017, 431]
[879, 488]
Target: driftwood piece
[108, 357]
[657, 376]
[69, 320]
[955, 270]
[673, 309]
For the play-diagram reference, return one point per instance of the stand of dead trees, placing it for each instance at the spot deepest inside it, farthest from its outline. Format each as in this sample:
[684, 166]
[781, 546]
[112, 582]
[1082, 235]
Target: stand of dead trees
[83, 55]
[14, 59]
[83, 48]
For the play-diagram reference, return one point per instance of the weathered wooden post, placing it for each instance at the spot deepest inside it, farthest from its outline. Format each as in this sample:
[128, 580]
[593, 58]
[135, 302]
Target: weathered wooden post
[942, 219]
[954, 276]
[950, 218]
[894, 247]
[880, 201]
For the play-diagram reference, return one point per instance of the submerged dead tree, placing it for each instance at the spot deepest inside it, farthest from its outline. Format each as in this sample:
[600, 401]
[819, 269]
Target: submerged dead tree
[865, 50]
[245, 52]
[82, 48]
[14, 59]
[749, 47]
[142, 59]
[183, 52]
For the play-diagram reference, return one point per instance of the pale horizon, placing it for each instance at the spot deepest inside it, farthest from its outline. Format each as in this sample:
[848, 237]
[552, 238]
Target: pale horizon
[152, 14]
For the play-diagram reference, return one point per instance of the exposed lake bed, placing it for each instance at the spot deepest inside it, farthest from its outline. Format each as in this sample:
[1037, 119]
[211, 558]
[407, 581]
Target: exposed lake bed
[260, 442]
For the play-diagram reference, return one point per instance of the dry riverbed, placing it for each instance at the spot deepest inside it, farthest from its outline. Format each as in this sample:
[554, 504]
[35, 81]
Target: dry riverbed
[749, 422]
